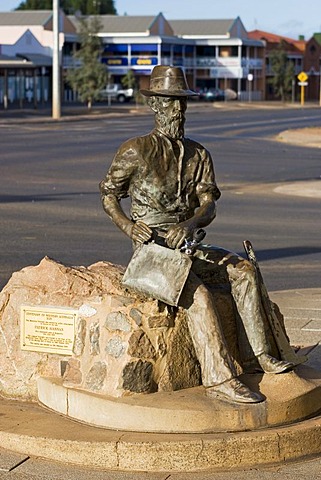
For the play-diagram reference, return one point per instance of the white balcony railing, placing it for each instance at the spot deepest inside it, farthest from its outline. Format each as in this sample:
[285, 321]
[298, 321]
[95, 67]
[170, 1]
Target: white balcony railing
[252, 63]
[191, 62]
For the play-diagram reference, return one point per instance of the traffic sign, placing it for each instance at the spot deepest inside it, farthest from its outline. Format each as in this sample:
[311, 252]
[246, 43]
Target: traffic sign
[303, 84]
[303, 77]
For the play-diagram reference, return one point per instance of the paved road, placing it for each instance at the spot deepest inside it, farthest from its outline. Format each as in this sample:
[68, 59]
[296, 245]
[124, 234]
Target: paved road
[50, 205]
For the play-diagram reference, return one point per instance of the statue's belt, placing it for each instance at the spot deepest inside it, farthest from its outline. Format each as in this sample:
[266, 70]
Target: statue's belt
[158, 219]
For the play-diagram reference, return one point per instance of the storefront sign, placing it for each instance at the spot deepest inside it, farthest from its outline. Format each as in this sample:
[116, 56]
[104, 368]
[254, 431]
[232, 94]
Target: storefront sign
[115, 61]
[144, 61]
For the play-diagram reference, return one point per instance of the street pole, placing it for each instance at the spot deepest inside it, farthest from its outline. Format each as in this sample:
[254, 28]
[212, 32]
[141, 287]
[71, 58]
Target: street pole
[320, 89]
[302, 95]
[56, 108]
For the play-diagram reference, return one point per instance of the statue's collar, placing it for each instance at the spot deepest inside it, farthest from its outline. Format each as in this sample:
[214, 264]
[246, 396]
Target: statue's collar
[172, 140]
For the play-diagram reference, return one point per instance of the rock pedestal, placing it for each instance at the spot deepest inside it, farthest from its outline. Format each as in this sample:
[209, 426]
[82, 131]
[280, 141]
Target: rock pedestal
[123, 343]
[133, 364]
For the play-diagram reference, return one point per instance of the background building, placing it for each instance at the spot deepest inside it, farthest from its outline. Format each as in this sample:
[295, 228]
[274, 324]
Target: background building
[224, 55]
[216, 54]
[26, 44]
[305, 56]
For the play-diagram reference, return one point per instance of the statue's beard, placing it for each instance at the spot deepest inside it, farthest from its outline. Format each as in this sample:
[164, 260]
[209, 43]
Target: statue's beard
[172, 127]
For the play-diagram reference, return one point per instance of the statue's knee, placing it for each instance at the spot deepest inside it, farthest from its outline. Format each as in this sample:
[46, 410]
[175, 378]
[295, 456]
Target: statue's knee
[203, 294]
[247, 267]
[242, 270]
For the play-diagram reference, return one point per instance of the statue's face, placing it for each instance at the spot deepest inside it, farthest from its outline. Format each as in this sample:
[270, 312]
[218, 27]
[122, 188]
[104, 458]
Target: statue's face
[170, 115]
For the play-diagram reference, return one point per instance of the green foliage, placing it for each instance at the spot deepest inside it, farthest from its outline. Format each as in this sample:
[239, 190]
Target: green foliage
[317, 37]
[129, 80]
[91, 76]
[35, 5]
[283, 73]
[86, 7]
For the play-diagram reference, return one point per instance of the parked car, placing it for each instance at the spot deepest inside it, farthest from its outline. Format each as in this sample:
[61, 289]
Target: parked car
[230, 94]
[117, 92]
[213, 95]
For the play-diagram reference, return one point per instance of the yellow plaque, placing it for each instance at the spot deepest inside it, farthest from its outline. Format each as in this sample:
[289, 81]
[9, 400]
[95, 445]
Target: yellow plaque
[48, 329]
[303, 77]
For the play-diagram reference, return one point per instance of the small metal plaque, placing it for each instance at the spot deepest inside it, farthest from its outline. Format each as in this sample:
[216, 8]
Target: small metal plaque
[48, 329]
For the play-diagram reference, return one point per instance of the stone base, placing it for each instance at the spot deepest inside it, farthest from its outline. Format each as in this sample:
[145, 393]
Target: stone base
[290, 397]
[124, 344]
[35, 431]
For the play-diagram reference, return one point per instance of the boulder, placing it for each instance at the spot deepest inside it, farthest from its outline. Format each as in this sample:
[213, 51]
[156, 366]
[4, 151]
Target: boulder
[124, 343]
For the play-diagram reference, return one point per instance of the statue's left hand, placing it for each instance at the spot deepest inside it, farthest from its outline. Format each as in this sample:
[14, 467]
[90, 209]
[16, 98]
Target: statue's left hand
[177, 234]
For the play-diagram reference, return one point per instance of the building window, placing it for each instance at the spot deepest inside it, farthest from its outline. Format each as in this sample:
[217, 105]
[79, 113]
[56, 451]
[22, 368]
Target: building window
[228, 51]
[312, 49]
[166, 49]
[116, 49]
[144, 49]
[178, 49]
[205, 51]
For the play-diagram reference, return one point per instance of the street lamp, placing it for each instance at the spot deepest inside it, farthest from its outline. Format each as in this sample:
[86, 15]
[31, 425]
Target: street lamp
[56, 107]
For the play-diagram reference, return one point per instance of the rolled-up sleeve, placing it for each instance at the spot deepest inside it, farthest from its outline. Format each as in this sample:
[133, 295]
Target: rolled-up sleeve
[117, 179]
[206, 177]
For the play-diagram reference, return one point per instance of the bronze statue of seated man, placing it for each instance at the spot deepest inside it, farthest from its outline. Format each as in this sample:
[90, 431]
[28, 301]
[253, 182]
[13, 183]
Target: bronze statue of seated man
[171, 183]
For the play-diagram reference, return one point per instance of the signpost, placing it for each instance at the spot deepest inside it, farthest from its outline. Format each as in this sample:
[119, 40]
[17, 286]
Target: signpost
[303, 77]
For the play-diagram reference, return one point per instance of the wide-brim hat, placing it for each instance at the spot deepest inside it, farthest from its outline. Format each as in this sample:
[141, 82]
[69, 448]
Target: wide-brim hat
[168, 82]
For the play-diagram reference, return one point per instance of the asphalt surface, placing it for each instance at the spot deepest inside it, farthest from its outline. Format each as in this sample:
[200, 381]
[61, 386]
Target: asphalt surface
[50, 205]
[302, 310]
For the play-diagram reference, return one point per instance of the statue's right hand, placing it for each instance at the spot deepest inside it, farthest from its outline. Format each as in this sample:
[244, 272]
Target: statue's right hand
[141, 232]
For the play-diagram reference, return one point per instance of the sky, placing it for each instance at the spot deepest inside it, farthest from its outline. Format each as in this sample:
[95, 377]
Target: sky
[289, 18]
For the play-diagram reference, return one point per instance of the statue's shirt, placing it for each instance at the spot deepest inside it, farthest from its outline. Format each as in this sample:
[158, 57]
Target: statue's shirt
[163, 178]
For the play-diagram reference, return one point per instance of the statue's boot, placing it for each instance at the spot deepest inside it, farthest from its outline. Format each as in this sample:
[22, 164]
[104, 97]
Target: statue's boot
[271, 364]
[235, 391]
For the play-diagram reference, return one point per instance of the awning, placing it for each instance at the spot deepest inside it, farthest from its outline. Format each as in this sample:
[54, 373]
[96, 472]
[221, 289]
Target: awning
[14, 62]
[38, 59]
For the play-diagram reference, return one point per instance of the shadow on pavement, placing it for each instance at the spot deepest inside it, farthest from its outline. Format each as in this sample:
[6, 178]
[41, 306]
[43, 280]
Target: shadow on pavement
[42, 198]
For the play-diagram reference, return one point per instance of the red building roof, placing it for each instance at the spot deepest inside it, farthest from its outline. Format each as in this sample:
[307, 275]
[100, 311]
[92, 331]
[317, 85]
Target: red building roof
[272, 40]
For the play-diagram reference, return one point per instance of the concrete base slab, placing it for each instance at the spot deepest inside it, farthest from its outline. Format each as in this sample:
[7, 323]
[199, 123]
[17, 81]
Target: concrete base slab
[32, 430]
[290, 397]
